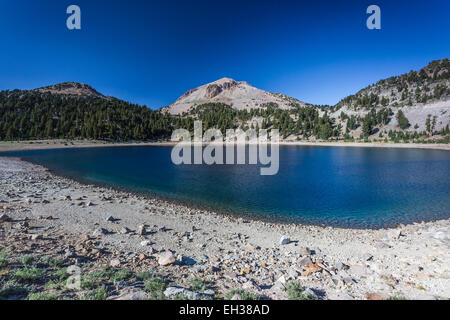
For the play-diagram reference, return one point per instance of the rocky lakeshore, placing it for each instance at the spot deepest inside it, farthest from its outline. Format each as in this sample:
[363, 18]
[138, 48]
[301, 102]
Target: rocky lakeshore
[127, 246]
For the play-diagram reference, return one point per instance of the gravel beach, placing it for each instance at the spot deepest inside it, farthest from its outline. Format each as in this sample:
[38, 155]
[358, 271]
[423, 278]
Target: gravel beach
[199, 254]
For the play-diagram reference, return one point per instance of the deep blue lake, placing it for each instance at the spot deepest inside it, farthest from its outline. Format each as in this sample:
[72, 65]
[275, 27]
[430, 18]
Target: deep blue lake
[335, 186]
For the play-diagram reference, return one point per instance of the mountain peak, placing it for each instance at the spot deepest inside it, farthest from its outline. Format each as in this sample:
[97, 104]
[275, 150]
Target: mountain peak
[72, 89]
[238, 94]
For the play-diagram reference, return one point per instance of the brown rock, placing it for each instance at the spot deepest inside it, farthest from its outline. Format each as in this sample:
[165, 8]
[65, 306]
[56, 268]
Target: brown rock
[311, 268]
[376, 296]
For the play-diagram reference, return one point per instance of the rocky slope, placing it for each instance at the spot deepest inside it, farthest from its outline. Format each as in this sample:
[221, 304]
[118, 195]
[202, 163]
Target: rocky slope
[418, 94]
[238, 94]
[71, 89]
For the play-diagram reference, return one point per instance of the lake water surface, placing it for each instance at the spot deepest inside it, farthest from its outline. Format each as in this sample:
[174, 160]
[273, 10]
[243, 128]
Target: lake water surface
[336, 186]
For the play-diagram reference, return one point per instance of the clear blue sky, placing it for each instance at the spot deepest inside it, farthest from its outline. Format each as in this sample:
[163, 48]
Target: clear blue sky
[151, 52]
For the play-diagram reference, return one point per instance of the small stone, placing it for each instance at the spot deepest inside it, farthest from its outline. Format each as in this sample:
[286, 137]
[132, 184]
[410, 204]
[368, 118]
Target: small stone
[99, 232]
[381, 245]
[141, 230]
[178, 291]
[251, 286]
[134, 295]
[166, 258]
[230, 275]
[302, 262]
[304, 251]
[376, 296]
[114, 263]
[35, 237]
[281, 280]
[209, 292]
[124, 230]
[285, 240]
[293, 273]
[4, 218]
[110, 219]
[341, 266]
[146, 243]
[236, 296]
[357, 270]
[394, 234]
[367, 257]
[348, 280]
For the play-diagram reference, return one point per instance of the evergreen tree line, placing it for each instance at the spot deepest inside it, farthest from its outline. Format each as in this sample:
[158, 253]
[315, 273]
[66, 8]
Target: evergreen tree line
[28, 115]
[32, 115]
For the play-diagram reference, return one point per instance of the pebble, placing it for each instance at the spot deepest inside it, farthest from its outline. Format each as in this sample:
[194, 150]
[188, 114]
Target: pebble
[141, 230]
[4, 218]
[285, 240]
[166, 258]
[99, 232]
[134, 295]
[114, 263]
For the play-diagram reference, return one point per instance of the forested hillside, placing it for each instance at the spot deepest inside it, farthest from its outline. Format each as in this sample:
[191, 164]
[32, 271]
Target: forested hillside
[34, 114]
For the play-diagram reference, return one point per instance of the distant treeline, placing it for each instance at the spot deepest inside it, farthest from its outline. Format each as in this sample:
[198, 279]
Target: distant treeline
[29, 115]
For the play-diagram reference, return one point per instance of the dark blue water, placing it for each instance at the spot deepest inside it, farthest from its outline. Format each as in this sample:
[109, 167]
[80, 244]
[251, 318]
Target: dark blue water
[347, 187]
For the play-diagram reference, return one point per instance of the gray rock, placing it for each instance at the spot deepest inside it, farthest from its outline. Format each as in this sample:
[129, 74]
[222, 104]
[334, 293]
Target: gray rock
[124, 230]
[285, 240]
[394, 234]
[141, 230]
[251, 286]
[367, 257]
[357, 270]
[172, 292]
[114, 263]
[293, 273]
[381, 245]
[69, 253]
[146, 243]
[304, 261]
[4, 218]
[348, 280]
[134, 295]
[35, 236]
[166, 258]
[110, 219]
[304, 251]
[209, 292]
[99, 232]
[341, 266]
[230, 275]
